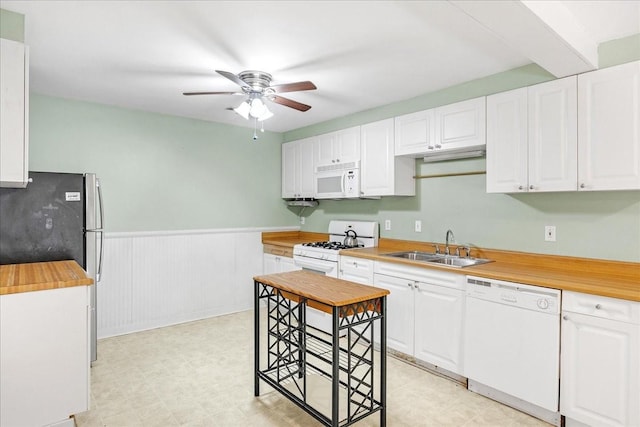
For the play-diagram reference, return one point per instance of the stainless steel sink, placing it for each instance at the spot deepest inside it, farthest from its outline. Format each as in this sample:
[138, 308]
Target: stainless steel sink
[432, 258]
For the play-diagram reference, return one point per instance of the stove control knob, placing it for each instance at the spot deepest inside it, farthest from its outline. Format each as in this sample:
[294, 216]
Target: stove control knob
[543, 303]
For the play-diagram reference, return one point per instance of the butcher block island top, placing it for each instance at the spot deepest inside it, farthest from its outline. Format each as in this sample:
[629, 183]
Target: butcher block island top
[41, 276]
[326, 290]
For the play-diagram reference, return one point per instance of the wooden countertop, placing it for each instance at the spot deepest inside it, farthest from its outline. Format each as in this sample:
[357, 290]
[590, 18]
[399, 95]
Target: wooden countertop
[323, 289]
[41, 276]
[615, 279]
[290, 238]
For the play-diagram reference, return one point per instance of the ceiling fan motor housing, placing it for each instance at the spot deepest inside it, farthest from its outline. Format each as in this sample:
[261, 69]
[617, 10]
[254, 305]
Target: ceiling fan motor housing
[258, 80]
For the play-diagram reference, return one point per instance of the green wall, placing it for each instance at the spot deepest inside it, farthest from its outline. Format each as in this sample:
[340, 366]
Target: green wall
[11, 25]
[169, 173]
[162, 172]
[589, 224]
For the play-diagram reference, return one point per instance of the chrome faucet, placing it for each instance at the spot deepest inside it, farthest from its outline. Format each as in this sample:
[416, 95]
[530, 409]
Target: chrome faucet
[446, 238]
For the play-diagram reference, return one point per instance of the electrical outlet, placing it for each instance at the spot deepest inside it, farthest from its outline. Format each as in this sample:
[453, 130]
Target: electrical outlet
[550, 233]
[302, 220]
[418, 226]
[387, 224]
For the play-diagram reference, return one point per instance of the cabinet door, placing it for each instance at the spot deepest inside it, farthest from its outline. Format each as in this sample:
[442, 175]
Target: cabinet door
[377, 168]
[461, 124]
[348, 145]
[14, 114]
[414, 133]
[507, 142]
[290, 170]
[600, 376]
[356, 270]
[306, 172]
[325, 151]
[438, 326]
[270, 264]
[609, 128]
[553, 137]
[399, 312]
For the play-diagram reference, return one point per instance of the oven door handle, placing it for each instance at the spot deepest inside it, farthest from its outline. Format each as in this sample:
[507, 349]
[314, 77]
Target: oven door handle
[317, 265]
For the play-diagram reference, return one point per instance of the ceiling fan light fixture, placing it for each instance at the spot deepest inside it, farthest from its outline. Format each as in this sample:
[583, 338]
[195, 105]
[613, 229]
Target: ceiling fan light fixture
[243, 110]
[257, 108]
[266, 115]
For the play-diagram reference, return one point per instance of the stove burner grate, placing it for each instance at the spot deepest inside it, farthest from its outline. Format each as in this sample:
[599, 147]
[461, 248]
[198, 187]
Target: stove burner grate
[329, 245]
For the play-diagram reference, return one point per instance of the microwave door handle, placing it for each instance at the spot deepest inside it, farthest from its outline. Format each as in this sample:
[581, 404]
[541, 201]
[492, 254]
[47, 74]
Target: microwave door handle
[344, 176]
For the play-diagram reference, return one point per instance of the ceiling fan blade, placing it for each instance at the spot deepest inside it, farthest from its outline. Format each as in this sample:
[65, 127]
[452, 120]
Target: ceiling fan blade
[294, 87]
[212, 93]
[289, 103]
[233, 78]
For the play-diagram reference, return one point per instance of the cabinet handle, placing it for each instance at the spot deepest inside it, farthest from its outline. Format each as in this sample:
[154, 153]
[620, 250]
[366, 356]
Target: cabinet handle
[430, 147]
[416, 286]
[565, 317]
[531, 187]
[333, 161]
[521, 188]
[410, 285]
[582, 185]
[337, 160]
[598, 306]
[438, 146]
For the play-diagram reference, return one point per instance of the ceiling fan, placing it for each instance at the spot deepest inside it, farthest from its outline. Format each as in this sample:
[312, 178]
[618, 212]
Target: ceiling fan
[257, 86]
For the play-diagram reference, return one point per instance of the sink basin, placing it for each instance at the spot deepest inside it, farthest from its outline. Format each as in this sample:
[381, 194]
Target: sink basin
[431, 258]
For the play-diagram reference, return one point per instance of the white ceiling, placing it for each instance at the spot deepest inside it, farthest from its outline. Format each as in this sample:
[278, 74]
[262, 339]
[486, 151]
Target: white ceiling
[360, 54]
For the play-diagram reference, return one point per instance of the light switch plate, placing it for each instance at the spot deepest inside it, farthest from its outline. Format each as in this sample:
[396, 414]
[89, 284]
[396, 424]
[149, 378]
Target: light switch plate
[387, 224]
[418, 226]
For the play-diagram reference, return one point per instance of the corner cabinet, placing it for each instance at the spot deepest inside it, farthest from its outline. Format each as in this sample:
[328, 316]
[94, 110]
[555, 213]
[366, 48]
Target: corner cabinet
[14, 114]
[382, 173]
[532, 138]
[600, 361]
[298, 169]
[609, 128]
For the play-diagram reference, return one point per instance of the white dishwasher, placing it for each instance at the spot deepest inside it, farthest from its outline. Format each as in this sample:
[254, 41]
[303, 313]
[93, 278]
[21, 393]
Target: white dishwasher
[512, 345]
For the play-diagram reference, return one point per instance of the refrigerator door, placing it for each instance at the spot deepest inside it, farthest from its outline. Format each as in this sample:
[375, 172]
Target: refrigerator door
[45, 221]
[94, 252]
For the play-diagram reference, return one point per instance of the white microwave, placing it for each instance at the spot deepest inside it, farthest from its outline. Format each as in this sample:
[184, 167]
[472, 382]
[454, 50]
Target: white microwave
[338, 180]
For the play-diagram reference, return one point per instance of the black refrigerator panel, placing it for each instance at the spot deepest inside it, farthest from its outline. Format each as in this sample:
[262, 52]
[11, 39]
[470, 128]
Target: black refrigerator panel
[45, 221]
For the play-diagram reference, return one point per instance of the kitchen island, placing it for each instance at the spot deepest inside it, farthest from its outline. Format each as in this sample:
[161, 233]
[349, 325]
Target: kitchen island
[311, 367]
[44, 343]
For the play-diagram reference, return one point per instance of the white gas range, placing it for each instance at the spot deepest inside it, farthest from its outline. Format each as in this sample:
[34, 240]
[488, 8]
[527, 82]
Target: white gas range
[322, 257]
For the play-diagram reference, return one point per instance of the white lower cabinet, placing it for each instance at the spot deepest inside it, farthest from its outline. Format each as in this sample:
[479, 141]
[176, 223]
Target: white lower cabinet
[357, 270]
[272, 264]
[425, 313]
[600, 361]
[44, 356]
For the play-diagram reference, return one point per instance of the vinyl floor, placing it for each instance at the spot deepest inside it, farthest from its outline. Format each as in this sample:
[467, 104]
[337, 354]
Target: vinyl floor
[201, 374]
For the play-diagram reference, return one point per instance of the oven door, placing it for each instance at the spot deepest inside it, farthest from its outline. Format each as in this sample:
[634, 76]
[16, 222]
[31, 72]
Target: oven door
[316, 318]
[326, 268]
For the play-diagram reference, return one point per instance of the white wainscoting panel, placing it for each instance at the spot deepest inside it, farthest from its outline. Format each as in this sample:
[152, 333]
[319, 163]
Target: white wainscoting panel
[158, 279]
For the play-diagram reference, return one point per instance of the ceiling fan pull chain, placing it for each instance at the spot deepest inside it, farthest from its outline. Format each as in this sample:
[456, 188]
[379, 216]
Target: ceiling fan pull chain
[255, 129]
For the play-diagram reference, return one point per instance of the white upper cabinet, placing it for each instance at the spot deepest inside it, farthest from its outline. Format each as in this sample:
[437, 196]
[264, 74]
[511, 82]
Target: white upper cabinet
[507, 148]
[414, 133]
[298, 169]
[532, 138]
[338, 147]
[460, 125]
[553, 137]
[14, 114]
[609, 128]
[381, 173]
